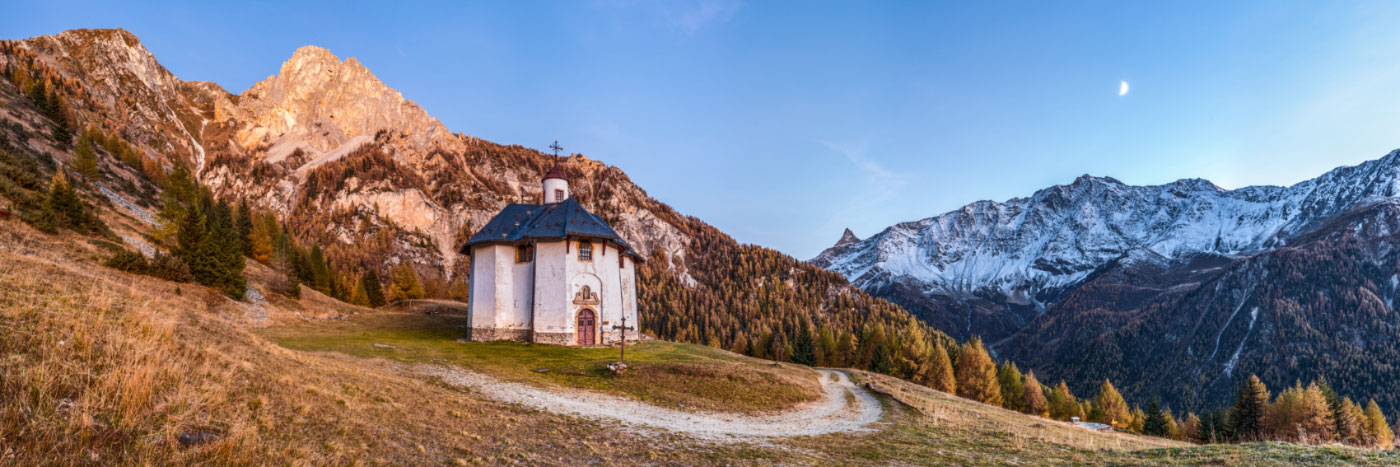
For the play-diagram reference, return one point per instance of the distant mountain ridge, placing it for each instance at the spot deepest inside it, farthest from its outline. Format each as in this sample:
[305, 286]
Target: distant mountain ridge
[1029, 251]
[1038, 276]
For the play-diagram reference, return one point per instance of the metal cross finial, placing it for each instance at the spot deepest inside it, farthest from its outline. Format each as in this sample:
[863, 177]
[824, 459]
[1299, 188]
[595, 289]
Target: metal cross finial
[556, 147]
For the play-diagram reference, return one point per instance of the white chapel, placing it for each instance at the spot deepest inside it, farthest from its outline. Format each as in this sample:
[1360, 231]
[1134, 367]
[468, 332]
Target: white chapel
[551, 273]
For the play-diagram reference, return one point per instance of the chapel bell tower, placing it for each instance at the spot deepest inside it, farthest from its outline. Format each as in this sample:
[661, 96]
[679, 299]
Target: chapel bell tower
[556, 183]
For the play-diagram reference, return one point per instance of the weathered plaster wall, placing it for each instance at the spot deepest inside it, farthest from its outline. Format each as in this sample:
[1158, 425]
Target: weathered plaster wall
[551, 300]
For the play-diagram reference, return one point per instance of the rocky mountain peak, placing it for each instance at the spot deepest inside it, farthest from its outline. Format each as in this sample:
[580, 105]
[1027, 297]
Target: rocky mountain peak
[848, 237]
[319, 103]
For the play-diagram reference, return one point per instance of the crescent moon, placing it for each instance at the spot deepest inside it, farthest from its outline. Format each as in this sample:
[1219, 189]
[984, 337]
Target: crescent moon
[1122, 88]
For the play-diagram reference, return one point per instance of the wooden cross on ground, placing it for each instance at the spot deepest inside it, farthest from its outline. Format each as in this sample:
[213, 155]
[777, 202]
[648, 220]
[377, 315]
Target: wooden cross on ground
[624, 328]
[556, 147]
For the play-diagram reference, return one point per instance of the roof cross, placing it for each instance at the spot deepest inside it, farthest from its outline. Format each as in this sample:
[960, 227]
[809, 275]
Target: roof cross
[556, 147]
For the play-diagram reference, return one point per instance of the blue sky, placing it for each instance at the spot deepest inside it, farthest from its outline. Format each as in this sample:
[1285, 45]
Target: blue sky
[783, 122]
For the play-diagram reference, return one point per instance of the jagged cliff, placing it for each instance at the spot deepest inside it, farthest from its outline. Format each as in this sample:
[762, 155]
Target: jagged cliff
[278, 143]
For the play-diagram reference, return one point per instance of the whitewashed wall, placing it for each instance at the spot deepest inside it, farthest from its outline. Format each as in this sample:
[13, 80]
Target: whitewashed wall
[551, 293]
[501, 289]
[481, 305]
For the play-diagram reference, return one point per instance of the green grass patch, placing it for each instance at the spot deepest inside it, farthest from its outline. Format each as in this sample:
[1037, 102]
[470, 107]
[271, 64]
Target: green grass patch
[663, 373]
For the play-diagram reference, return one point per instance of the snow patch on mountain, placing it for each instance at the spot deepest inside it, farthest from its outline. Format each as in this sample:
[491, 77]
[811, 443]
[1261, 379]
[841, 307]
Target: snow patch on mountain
[1235, 358]
[1057, 237]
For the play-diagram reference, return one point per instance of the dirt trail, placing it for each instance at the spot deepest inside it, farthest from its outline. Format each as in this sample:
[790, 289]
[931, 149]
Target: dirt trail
[833, 413]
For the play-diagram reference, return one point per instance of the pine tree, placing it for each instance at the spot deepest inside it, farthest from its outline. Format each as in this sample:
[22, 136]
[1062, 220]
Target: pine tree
[1111, 407]
[374, 293]
[879, 350]
[1156, 423]
[360, 296]
[226, 247]
[1012, 386]
[85, 158]
[39, 95]
[1377, 428]
[1062, 402]
[244, 224]
[1174, 430]
[1191, 428]
[1350, 429]
[1214, 427]
[64, 209]
[405, 284]
[941, 376]
[804, 348]
[1139, 418]
[1033, 396]
[62, 130]
[1334, 404]
[190, 238]
[826, 347]
[977, 374]
[320, 272]
[1300, 414]
[845, 350]
[261, 243]
[458, 291]
[180, 196]
[1247, 415]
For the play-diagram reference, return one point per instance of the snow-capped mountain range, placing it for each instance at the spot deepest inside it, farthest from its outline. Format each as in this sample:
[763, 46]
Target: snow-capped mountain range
[1175, 291]
[1029, 250]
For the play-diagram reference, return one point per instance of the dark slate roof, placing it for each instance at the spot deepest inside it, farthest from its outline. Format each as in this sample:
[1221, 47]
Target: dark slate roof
[544, 222]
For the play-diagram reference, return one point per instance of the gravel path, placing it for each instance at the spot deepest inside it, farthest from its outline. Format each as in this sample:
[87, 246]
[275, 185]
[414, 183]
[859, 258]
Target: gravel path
[833, 413]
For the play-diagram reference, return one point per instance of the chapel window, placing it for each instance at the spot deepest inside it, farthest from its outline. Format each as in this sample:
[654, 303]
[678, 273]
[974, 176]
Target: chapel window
[524, 253]
[585, 251]
[558, 195]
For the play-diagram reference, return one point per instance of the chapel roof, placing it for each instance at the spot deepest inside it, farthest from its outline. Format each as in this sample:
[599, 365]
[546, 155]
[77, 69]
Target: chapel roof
[554, 221]
[556, 172]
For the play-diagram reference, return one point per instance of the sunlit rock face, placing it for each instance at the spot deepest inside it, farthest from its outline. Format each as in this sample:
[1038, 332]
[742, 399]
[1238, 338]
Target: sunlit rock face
[328, 146]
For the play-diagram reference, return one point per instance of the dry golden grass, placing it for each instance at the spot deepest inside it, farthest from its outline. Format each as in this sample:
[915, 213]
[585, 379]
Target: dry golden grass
[107, 367]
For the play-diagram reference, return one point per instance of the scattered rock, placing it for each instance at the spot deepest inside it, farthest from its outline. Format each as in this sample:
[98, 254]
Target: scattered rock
[617, 367]
[541, 370]
[140, 213]
[198, 438]
[141, 245]
[1038, 425]
[385, 346]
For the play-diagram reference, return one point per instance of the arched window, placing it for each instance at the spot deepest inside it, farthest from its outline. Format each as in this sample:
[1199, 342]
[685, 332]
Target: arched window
[585, 251]
[524, 253]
